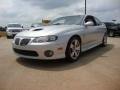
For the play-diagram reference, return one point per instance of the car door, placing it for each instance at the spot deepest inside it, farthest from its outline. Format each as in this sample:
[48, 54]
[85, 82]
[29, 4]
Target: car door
[100, 30]
[90, 34]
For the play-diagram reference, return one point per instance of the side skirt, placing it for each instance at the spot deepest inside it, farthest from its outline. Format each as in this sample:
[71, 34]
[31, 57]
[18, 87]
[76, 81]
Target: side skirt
[83, 49]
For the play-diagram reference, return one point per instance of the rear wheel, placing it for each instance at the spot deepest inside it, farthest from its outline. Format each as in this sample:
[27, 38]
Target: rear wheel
[104, 41]
[111, 34]
[73, 49]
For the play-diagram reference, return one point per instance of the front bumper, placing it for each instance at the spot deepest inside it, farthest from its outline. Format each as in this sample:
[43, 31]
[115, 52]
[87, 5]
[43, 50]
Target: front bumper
[11, 33]
[58, 49]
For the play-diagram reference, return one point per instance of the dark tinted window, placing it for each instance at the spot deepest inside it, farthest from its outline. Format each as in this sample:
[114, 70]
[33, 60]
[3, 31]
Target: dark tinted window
[98, 22]
[90, 18]
[14, 25]
[68, 20]
[109, 24]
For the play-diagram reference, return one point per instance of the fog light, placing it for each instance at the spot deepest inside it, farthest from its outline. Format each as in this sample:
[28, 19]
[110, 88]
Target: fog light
[49, 53]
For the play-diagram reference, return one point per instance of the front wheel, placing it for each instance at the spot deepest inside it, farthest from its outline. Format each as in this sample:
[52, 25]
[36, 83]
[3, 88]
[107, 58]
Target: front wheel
[73, 49]
[8, 37]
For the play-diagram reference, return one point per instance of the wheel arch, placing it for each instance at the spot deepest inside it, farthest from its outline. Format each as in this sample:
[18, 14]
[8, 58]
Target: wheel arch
[73, 37]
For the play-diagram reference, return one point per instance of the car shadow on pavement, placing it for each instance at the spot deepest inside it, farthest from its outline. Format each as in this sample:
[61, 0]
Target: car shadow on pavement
[62, 64]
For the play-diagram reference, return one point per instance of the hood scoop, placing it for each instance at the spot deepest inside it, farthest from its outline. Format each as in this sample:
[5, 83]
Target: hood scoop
[38, 29]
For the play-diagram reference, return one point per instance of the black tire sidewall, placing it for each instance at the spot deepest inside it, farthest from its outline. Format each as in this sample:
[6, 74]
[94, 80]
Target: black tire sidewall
[68, 57]
[104, 41]
[111, 33]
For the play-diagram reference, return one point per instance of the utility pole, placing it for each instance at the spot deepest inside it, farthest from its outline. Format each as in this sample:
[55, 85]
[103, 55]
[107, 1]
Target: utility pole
[85, 7]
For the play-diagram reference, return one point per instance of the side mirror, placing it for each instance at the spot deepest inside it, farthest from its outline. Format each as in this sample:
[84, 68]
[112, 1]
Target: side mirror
[89, 23]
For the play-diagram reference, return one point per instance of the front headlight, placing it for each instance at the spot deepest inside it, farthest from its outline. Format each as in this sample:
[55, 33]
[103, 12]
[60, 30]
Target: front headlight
[8, 30]
[45, 39]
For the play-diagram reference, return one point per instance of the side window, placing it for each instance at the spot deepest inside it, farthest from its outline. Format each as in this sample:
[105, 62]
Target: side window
[90, 18]
[98, 22]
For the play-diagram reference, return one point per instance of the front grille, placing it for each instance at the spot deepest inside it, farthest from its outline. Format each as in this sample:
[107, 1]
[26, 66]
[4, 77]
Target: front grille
[24, 42]
[25, 52]
[16, 30]
[17, 40]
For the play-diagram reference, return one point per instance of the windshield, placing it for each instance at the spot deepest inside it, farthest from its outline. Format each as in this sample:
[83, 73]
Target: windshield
[119, 25]
[37, 25]
[110, 24]
[14, 25]
[68, 20]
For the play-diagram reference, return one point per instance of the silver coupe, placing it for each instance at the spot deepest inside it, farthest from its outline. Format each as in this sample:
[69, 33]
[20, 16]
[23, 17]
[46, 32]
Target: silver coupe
[65, 37]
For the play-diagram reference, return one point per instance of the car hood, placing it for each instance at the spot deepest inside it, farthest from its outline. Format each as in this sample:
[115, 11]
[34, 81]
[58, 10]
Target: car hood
[48, 30]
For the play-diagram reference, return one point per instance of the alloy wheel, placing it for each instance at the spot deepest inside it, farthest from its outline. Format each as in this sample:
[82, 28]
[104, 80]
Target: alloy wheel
[75, 49]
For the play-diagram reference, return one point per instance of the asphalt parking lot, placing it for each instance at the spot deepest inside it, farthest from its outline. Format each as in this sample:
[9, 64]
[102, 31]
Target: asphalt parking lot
[97, 69]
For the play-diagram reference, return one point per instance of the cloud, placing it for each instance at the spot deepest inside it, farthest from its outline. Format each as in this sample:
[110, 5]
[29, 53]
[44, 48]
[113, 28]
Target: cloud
[103, 5]
[52, 4]
[31, 11]
[106, 10]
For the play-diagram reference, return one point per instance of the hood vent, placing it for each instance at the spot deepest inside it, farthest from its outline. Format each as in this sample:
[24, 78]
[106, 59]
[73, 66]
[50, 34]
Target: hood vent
[38, 29]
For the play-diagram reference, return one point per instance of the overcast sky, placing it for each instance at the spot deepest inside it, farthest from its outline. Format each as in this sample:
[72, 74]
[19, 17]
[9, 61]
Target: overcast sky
[31, 11]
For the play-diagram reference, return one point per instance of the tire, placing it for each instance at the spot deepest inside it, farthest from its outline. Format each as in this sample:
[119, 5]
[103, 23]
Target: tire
[104, 41]
[8, 37]
[73, 49]
[111, 34]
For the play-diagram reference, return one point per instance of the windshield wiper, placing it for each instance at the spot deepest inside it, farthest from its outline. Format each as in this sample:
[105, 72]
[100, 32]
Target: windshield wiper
[57, 24]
